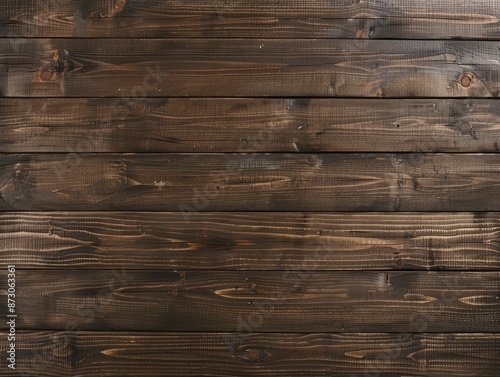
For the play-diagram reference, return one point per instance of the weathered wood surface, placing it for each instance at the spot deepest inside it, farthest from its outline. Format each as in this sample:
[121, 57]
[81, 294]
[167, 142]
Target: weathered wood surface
[251, 241]
[297, 301]
[248, 125]
[430, 19]
[122, 354]
[250, 182]
[247, 68]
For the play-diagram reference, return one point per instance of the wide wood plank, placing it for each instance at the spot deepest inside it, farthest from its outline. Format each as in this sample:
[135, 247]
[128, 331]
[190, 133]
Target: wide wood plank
[247, 301]
[248, 125]
[432, 19]
[250, 182]
[247, 68]
[122, 354]
[251, 241]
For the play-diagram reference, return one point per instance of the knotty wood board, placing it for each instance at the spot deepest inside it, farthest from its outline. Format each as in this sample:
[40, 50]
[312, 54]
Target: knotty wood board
[430, 19]
[229, 67]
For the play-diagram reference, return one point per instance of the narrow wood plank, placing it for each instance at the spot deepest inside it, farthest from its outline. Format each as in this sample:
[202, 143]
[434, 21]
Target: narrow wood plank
[122, 354]
[432, 19]
[248, 125]
[251, 241]
[270, 301]
[250, 182]
[247, 68]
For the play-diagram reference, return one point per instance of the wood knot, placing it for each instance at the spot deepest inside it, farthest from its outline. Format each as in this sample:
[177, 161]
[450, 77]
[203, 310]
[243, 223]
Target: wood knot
[107, 187]
[465, 128]
[63, 352]
[46, 74]
[253, 354]
[313, 160]
[362, 34]
[466, 80]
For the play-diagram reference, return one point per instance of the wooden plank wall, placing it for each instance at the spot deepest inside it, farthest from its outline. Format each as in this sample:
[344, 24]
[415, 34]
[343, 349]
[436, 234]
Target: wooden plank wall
[250, 188]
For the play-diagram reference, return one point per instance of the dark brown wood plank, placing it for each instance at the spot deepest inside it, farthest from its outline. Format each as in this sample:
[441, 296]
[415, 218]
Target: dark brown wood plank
[250, 182]
[121, 354]
[247, 68]
[248, 125]
[432, 19]
[251, 241]
[268, 301]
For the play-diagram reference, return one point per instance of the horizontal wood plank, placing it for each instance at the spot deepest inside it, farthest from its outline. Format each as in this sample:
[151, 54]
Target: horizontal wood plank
[251, 241]
[122, 354]
[432, 19]
[248, 125]
[250, 182]
[247, 68]
[298, 301]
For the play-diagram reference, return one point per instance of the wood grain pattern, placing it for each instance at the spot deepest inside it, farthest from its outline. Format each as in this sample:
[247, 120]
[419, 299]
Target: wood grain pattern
[430, 19]
[248, 125]
[121, 354]
[225, 188]
[251, 241]
[250, 182]
[247, 68]
[248, 301]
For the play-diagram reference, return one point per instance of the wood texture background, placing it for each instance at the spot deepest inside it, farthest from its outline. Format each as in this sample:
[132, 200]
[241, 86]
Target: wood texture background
[228, 188]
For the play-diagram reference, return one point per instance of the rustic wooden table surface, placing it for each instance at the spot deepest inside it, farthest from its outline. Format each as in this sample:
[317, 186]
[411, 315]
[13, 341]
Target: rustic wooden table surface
[226, 188]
